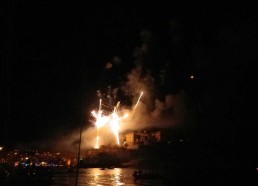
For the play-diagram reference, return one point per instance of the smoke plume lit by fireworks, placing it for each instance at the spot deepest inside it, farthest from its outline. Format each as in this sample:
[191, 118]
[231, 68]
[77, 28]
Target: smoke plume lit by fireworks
[112, 117]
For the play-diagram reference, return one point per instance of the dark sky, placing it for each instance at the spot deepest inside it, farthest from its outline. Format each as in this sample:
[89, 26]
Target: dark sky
[54, 54]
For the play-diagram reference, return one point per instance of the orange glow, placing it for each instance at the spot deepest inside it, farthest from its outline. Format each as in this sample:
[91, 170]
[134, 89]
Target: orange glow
[97, 142]
[69, 162]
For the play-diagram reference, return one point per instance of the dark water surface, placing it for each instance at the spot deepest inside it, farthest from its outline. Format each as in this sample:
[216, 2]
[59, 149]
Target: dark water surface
[95, 176]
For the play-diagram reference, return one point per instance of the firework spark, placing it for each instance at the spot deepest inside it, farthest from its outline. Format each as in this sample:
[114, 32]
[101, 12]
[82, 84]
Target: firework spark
[136, 104]
[112, 119]
[115, 123]
[115, 126]
[101, 120]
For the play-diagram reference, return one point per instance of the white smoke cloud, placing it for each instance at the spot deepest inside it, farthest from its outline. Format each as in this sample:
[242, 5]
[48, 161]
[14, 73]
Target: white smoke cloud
[168, 113]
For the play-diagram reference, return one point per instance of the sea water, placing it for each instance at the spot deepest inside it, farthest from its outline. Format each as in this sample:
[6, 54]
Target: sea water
[98, 177]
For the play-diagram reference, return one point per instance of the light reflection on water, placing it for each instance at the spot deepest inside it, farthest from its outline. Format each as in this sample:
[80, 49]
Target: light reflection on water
[97, 177]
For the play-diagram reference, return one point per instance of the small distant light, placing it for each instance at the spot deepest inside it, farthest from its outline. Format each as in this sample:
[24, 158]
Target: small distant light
[256, 168]
[1, 148]
[192, 77]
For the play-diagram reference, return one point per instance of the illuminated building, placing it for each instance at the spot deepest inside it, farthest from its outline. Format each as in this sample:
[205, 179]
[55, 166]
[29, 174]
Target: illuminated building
[135, 139]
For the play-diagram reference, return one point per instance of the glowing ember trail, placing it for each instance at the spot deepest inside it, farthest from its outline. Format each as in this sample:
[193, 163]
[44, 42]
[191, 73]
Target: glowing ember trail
[100, 122]
[136, 104]
[97, 141]
[113, 119]
[115, 123]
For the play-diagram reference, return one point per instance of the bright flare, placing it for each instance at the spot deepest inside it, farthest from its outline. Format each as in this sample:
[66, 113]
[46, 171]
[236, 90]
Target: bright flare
[100, 119]
[113, 119]
[100, 122]
[97, 142]
[115, 126]
[115, 123]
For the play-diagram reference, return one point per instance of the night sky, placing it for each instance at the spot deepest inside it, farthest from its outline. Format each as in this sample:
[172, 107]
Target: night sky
[54, 56]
